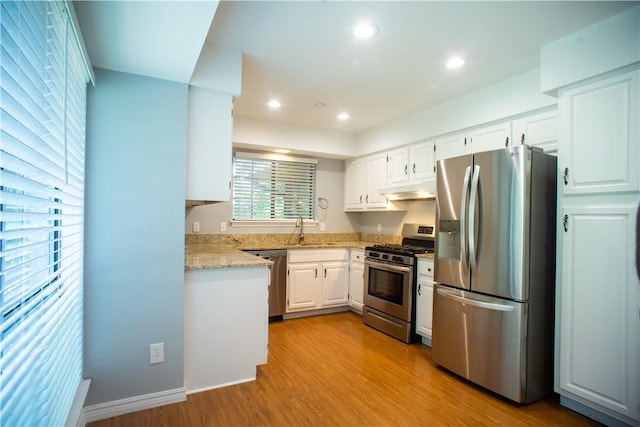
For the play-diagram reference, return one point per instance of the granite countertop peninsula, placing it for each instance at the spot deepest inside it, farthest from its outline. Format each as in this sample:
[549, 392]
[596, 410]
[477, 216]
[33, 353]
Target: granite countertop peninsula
[428, 256]
[204, 251]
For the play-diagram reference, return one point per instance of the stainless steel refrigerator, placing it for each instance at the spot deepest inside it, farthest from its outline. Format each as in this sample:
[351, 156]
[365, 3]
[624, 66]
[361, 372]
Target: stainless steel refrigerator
[495, 270]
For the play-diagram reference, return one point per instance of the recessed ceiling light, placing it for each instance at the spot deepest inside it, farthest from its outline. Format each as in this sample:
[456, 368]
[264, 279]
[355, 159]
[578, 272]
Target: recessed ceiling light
[455, 62]
[274, 104]
[364, 30]
[343, 116]
[282, 151]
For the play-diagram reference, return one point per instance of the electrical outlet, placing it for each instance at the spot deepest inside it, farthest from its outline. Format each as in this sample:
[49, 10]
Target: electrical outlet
[156, 353]
[195, 227]
[379, 228]
[223, 226]
[322, 227]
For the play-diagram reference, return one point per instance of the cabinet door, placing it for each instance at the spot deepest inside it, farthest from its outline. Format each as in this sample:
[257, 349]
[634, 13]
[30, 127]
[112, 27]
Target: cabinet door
[423, 161]
[335, 283]
[209, 145]
[424, 308]
[353, 194]
[302, 286]
[450, 146]
[489, 138]
[398, 166]
[599, 128]
[424, 313]
[598, 301]
[376, 177]
[356, 285]
[538, 130]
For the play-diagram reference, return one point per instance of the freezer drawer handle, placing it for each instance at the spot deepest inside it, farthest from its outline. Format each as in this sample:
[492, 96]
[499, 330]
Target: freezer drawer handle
[480, 304]
[565, 176]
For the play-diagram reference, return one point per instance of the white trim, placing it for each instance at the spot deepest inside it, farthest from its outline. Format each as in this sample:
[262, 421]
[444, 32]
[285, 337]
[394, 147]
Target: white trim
[242, 381]
[75, 25]
[275, 156]
[106, 410]
[76, 415]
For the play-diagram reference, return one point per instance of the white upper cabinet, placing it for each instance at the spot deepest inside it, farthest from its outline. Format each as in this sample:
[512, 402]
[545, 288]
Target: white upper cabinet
[538, 130]
[477, 140]
[364, 176]
[489, 138]
[209, 151]
[412, 164]
[450, 146]
[354, 183]
[423, 161]
[376, 177]
[600, 133]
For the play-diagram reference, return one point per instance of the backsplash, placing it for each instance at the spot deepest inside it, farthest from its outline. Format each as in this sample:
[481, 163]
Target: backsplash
[199, 243]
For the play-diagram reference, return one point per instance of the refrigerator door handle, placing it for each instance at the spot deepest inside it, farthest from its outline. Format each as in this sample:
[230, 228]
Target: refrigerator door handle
[473, 204]
[474, 303]
[464, 253]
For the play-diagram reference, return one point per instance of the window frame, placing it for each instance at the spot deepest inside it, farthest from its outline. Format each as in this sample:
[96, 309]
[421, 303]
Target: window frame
[287, 220]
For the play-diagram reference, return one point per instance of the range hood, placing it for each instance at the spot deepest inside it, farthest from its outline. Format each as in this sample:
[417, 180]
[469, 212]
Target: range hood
[416, 191]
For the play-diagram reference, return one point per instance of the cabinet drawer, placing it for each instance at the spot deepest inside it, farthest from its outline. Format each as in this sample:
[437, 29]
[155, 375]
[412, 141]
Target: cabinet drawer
[425, 267]
[357, 255]
[318, 255]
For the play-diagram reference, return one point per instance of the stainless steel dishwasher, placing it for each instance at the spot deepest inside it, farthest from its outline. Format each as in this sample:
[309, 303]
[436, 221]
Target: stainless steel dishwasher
[278, 282]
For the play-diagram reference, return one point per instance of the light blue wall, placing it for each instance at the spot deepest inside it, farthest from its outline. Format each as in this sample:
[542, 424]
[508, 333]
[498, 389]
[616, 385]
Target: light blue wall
[134, 250]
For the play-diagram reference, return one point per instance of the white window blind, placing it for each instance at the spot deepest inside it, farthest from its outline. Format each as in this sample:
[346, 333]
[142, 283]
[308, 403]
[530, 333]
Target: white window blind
[42, 118]
[267, 187]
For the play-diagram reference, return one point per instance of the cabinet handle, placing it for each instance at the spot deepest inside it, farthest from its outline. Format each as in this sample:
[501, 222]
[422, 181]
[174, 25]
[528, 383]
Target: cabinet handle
[316, 270]
[429, 270]
[565, 223]
[325, 273]
[565, 176]
[522, 139]
[361, 199]
[367, 198]
[419, 288]
[506, 142]
[465, 141]
[406, 169]
[414, 168]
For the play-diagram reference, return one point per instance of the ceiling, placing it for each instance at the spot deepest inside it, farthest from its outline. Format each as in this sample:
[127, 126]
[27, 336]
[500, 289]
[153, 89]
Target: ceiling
[303, 52]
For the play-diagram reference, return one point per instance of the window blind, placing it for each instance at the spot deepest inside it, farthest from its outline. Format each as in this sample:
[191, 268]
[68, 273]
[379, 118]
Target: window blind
[42, 118]
[269, 187]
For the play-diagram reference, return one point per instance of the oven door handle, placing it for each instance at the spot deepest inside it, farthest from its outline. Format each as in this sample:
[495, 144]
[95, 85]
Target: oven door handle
[388, 267]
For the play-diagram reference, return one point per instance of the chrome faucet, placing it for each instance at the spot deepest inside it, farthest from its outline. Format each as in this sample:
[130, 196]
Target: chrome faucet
[300, 223]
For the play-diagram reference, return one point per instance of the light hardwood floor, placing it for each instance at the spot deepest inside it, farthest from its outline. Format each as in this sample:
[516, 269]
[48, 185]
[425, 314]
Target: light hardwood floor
[334, 371]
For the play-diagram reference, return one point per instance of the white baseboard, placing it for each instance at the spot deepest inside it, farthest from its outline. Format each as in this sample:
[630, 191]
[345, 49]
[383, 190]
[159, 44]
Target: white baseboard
[105, 410]
[199, 390]
[76, 415]
[307, 313]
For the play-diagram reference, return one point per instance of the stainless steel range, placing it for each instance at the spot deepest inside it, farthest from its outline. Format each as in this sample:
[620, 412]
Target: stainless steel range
[390, 282]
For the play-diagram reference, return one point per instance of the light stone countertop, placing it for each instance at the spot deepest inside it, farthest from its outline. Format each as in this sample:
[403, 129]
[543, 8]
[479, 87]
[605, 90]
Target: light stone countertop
[428, 256]
[223, 258]
[204, 251]
[216, 256]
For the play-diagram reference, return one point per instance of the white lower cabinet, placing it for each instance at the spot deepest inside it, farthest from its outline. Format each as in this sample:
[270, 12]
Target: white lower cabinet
[598, 332]
[317, 278]
[356, 279]
[226, 329]
[424, 307]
